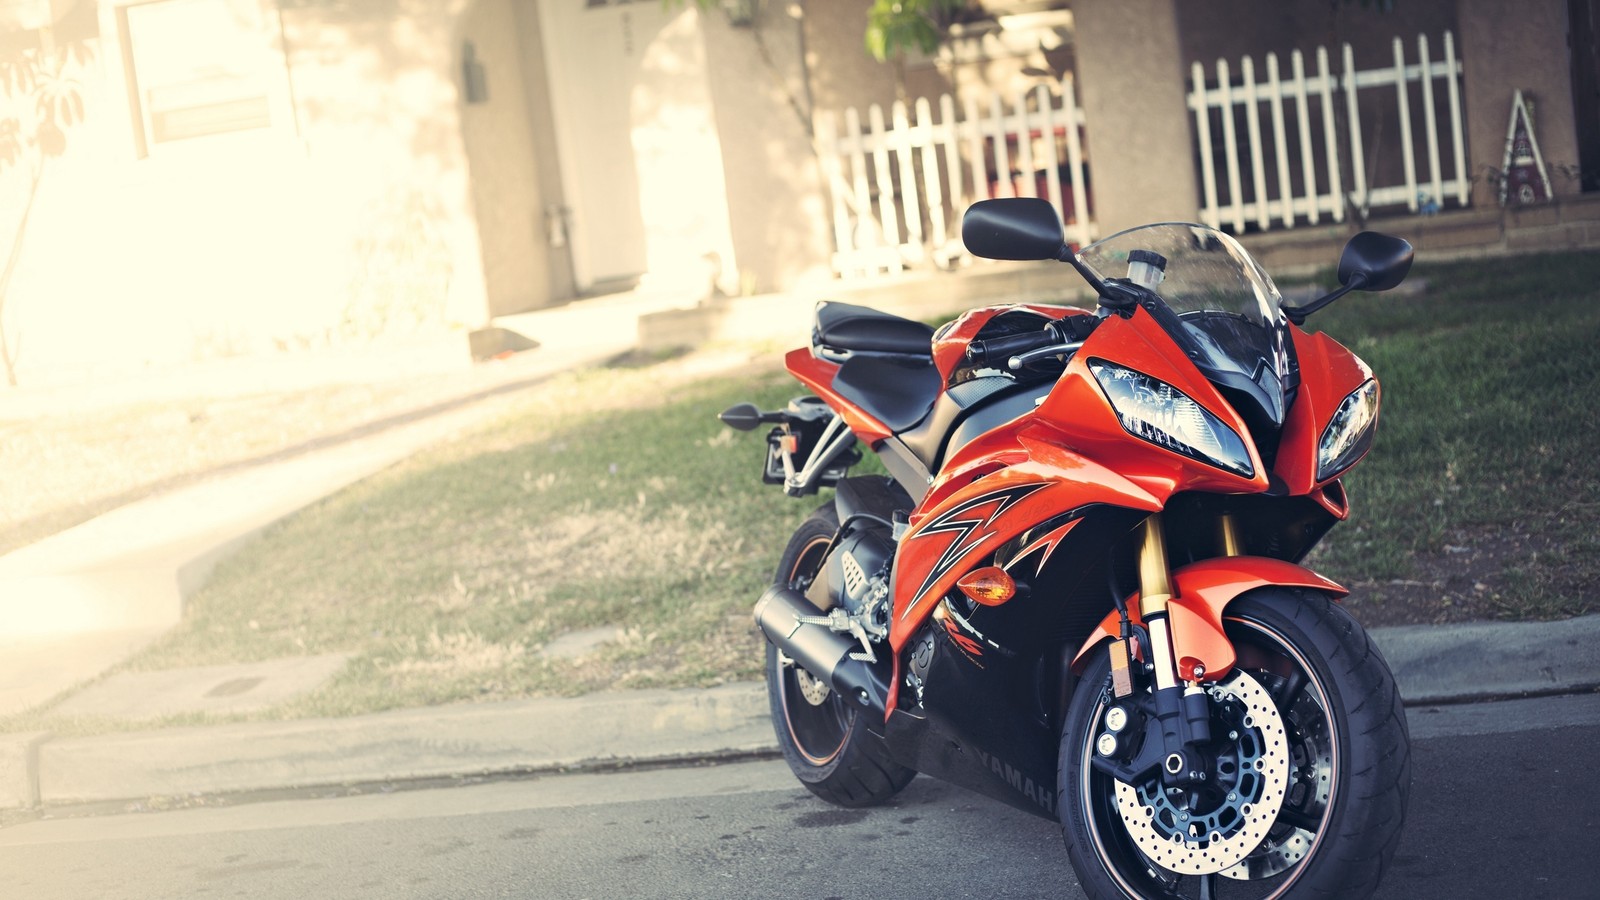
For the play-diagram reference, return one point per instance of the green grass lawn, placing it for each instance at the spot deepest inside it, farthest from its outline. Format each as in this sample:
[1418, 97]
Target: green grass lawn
[616, 498]
[1480, 497]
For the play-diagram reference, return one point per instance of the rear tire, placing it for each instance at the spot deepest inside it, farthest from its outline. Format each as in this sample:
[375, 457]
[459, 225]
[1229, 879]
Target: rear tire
[1350, 751]
[828, 746]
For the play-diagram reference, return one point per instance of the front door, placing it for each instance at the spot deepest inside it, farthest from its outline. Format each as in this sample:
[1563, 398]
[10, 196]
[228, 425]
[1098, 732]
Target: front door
[594, 64]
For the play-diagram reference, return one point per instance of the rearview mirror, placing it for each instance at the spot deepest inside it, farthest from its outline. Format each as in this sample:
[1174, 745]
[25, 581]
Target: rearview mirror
[1374, 262]
[1014, 228]
[1370, 262]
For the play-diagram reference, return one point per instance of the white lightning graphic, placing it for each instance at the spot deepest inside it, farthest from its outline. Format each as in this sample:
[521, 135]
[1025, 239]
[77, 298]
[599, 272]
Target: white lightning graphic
[971, 532]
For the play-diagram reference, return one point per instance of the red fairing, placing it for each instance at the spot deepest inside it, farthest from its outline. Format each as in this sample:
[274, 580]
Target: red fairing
[1201, 591]
[817, 374]
[1039, 481]
[1329, 372]
[1139, 343]
[1024, 472]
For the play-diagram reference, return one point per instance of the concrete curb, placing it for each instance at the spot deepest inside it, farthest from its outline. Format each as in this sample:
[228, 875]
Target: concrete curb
[1483, 660]
[514, 736]
[1433, 664]
[19, 769]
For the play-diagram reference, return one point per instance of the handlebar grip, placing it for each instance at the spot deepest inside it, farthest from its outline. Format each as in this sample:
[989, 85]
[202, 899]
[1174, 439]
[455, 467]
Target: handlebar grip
[996, 351]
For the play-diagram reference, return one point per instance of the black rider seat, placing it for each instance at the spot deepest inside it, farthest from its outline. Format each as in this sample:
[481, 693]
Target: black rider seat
[896, 392]
[860, 330]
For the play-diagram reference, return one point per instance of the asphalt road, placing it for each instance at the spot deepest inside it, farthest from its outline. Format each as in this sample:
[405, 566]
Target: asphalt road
[1504, 805]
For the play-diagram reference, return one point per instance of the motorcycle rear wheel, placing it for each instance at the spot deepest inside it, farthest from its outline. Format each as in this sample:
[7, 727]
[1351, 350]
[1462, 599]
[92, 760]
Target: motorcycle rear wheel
[825, 741]
[1350, 750]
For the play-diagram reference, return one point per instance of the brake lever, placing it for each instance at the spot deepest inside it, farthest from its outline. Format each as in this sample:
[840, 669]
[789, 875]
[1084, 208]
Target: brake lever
[1033, 356]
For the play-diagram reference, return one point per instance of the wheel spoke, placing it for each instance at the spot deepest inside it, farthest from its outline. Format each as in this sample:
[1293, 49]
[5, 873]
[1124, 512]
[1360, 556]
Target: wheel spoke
[1208, 887]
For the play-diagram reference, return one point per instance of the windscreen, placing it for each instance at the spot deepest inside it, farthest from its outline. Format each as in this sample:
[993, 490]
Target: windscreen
[1228, 305]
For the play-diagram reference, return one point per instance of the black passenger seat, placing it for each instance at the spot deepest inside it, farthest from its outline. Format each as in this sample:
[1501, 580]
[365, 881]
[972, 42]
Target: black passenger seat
[861, 330]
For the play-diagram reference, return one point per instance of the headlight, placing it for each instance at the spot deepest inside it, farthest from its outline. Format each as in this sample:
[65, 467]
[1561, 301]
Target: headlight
[1157, 412]
[1350, 432]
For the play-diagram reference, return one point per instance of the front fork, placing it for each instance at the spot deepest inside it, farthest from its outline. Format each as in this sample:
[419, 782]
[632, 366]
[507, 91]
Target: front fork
[1155, 591]
[1181, 708]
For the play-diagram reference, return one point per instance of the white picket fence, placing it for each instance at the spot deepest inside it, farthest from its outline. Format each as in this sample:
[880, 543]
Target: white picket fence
[1264, 196]
[899, 188]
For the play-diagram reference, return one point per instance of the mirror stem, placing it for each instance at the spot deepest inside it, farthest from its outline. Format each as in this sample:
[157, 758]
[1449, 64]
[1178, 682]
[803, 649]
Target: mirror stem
[1066, 255]
[1298, 314]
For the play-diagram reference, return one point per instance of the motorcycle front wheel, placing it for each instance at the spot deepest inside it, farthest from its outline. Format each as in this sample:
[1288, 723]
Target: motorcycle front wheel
[825, 741]
[1309, 724]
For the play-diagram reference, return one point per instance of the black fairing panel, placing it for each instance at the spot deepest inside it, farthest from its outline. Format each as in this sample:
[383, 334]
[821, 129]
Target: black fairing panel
[874, 495]
[927, 439]
[1277, 527]
[971, 729]
[993, 413]
[995, 682]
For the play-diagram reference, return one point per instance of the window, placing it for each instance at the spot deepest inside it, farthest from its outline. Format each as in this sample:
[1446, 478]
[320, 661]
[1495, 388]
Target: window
[198, 68]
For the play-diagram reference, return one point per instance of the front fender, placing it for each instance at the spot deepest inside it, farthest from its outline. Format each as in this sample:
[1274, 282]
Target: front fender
[1201, 591]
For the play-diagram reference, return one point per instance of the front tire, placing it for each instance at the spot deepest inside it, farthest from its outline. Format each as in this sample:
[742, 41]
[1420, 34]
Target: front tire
[827, 744]
[1349, 754]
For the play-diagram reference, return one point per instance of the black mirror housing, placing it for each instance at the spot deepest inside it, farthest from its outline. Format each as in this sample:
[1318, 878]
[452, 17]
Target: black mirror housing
[1374, 262]
[1014, 228]
[1370, 262]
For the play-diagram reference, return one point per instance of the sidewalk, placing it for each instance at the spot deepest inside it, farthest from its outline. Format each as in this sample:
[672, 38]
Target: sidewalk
[78, 603]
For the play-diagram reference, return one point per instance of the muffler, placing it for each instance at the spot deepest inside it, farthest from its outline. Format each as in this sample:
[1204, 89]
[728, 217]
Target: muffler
[818, 649]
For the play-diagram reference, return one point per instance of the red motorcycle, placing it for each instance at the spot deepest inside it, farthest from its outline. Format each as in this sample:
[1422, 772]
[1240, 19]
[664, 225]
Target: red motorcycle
[1077, 589]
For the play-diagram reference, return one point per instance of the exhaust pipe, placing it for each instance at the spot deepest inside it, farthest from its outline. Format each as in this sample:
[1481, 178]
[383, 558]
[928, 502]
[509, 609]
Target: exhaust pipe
[819, 649]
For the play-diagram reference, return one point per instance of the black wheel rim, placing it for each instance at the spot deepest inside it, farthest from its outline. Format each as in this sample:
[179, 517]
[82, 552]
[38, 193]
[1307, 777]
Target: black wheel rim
[1302, 700]
[818, 730]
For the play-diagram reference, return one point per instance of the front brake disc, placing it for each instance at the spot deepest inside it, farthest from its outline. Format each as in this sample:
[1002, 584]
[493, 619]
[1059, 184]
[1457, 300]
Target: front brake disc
[1198, 839]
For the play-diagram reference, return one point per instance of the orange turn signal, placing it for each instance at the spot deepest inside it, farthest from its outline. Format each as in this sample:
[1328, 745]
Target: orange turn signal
[989, 586]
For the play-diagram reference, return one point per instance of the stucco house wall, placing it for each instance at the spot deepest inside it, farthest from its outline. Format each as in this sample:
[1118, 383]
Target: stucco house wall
[346, 219]
[1522, 45]
[382, 200]
[497, 135]
[776, 205]
[376, 93]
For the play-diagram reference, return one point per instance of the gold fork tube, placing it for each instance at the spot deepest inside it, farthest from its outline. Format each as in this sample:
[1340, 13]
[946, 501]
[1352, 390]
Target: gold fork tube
[1155, 585]
[1229, 529]
[1155, 589]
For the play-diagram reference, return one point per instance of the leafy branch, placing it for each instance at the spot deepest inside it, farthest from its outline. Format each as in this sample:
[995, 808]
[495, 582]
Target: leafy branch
[897, 27]
[32, 138]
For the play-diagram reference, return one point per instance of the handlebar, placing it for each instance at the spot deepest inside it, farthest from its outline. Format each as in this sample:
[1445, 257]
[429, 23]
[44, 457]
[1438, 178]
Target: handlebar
[996, 351]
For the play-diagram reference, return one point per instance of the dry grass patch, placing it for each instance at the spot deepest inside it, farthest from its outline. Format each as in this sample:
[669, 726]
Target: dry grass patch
[600, 499]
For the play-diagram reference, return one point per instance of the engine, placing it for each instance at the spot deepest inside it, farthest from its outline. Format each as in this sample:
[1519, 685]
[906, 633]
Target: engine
[857, 577]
